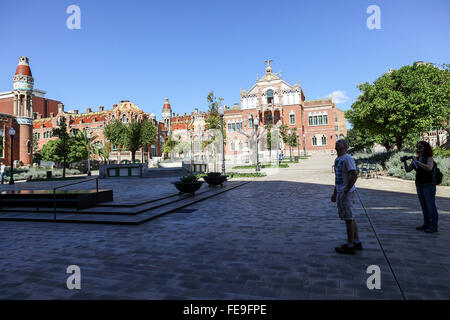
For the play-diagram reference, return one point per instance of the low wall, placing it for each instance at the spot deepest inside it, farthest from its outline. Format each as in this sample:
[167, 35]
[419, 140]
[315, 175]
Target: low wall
[122, 170]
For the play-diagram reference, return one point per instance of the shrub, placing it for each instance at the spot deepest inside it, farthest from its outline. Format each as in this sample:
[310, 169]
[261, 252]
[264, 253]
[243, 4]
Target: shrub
[189, 178]
[246, 175]
[441, 152]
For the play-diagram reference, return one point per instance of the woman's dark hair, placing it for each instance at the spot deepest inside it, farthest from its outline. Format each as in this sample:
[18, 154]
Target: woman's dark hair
[428, 151]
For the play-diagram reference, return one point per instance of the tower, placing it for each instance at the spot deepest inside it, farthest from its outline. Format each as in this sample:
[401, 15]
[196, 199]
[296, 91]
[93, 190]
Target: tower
[23, 90]
[167, 115]
[23, 109]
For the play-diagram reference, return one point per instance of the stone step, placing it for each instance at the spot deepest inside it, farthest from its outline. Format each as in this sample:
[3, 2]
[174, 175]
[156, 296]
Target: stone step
[137, 217]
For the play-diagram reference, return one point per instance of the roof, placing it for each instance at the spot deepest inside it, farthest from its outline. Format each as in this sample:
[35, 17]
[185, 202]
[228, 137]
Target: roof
[23, 70]
[127, 106]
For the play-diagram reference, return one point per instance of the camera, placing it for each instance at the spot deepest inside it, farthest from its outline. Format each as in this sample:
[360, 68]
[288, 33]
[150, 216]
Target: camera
[404, 158]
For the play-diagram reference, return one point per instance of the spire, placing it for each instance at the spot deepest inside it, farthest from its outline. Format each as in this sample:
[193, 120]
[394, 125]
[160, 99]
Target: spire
[23, 80]
[166, 105]
[23, 68]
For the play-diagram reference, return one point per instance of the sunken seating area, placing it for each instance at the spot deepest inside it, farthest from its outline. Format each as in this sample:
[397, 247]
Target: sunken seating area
[79, 199]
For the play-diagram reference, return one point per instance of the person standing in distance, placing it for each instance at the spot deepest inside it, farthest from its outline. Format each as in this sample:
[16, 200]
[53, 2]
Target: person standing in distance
[2, 171]
[425, 186]
[344, 195]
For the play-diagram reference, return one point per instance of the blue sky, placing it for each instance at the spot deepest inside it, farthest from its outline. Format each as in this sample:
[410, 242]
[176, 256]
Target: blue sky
[145, 51]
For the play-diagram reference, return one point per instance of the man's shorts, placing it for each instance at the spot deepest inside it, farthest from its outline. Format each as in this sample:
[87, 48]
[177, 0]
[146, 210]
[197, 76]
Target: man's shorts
[345, 204]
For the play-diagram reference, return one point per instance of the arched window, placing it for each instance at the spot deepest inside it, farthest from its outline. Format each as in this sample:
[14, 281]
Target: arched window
[324, 140]
[270, 96]
[29, 147]
[240, 145]
[124, 119]
[314, 141]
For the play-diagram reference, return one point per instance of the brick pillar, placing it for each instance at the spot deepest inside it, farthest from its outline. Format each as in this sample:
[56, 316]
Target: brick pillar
[24, 136]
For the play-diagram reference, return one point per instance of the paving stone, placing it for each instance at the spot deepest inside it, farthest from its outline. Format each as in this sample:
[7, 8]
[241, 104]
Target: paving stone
[271, 239]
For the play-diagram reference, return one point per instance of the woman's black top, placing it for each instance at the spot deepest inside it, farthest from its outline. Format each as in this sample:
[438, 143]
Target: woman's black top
[422, 175]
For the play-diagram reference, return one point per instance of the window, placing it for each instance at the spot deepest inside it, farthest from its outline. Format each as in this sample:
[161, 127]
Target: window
[320, 119]
[315, 120]
[113, 147]
[229, 126]
[269, 96]
[29, 147]
[336, 128]
[292, 118]
[233, 126]
[240, 145]
[232, 146]
[124, 119]
[325, 119]
[314, 141]
[341, 136]
[310, 120]
[324, 140]
[250, 123]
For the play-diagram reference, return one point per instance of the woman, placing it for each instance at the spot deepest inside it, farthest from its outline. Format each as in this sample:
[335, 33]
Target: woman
[426, 187]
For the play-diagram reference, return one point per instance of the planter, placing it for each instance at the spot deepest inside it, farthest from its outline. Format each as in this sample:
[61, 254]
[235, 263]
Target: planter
[215, 180]
[188, 187]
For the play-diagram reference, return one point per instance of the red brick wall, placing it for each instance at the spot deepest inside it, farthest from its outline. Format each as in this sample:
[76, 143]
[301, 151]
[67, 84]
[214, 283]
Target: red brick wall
[7, 105]
[45, 106]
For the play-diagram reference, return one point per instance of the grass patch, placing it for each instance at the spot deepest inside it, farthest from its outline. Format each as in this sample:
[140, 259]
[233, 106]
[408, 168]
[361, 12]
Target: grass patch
[245, 175]
[282, 165]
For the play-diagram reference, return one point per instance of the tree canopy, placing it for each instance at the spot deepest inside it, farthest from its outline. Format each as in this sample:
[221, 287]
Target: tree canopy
[130, 136]
[400, 105]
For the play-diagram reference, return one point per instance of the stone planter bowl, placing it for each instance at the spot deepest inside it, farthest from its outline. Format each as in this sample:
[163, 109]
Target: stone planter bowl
[215, 180]
[188, 187]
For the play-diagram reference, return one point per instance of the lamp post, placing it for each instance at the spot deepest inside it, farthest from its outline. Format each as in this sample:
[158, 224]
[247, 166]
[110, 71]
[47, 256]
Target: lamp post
[89, 153]
[221, 113]
[304, 144]
[12, 132]
[290, 146]
[298, 144]
[276, 137]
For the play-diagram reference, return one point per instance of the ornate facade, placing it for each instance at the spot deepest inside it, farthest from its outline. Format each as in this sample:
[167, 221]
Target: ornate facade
[316, 123]
[18, 107]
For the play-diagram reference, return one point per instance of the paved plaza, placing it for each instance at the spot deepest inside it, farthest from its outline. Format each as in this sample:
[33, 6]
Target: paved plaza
[272, 238]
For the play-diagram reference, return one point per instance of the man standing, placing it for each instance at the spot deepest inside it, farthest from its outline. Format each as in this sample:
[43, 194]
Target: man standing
[2, 171]
[344, 195]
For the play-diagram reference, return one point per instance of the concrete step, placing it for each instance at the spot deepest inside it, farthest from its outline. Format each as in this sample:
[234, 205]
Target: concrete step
[135, 217]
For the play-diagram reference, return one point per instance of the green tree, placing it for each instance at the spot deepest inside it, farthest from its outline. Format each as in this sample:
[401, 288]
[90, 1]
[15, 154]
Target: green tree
[359, 140]
[80, 145]
[402, 104]
[130, 136]
[102, 150]
[169, 145]
[63, 146]
[48, 151]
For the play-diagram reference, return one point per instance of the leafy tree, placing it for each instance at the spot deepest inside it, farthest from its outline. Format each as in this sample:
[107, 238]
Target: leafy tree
[402, 104]
[213, 120]
[130, 136]
[169, 145]
[80, 145]
[139, 134]
[102, 150]
[48, 151]
[63, 146]
[359, 140]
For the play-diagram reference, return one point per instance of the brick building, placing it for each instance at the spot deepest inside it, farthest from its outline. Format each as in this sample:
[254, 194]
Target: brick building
[18, 107]
[317, 123]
